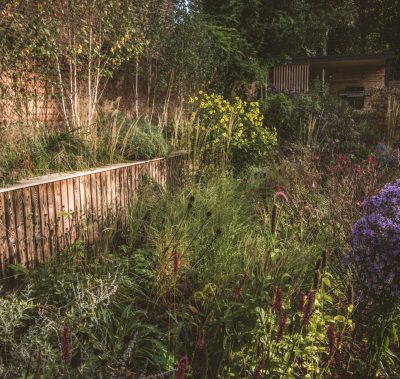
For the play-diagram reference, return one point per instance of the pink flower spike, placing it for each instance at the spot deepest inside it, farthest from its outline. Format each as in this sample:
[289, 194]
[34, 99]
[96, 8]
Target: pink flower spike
[282, 195]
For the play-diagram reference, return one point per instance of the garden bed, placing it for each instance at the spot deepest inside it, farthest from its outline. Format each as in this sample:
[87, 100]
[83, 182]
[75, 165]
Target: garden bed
[238, 277]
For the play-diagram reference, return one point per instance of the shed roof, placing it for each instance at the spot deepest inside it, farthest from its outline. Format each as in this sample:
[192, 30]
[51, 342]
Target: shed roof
[370, 59]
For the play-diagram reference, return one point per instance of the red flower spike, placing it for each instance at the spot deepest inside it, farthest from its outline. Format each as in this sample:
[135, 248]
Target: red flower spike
[182, 367]
[277, 306]
[257, 371]
[308, 308]
[282, 326]
[200, 343]
[66, 343]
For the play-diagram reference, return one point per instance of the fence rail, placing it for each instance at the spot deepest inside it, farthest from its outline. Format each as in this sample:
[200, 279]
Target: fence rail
[41, 217]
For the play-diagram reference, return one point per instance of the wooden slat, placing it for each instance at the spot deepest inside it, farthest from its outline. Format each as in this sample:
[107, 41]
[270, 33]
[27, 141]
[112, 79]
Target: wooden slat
[99, 203]
[64, 213]
[82, 212]
[93, 206]
[124, 194]
[3, 238]
[49, 221]
[280, 85]
[103, 190]
[39, 211]
[117, 199]
[88, 209]
[77, 209]
[279, 78]
[29, 228]
[10, 225]
[301, 78]
[59, 222]
[129, 186]
[20, 226]
[113, 194]
[109, 196]
[71, 210]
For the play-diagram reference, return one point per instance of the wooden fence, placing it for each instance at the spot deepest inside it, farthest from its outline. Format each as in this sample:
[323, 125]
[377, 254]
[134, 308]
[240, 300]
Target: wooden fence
[40, 217]
[291, 77]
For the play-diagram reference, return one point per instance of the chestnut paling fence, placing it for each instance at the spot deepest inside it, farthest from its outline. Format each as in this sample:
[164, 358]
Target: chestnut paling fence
[41, 217]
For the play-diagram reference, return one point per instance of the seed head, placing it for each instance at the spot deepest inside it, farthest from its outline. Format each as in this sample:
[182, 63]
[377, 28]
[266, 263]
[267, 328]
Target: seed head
[330, 332]
[274, 218]
[350, 294]
[316, 279]
[318, 264]
[323, 260]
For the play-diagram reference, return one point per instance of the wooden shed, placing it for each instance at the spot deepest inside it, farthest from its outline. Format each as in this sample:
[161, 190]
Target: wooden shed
[348, 76]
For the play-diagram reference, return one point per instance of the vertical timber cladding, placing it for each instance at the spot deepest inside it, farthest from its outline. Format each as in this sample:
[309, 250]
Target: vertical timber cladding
[41, 217]
[291, 77]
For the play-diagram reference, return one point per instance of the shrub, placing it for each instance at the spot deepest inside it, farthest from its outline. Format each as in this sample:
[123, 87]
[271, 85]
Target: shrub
[316, 117]
[230, 131]
[278, 110]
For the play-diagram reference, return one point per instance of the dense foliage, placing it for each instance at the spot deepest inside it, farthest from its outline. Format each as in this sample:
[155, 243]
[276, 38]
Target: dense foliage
[117, 138]
[230, 277]
[278, 258]
[230, 132]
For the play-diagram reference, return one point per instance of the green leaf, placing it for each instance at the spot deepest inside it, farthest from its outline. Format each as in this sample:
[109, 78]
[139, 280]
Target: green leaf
[327, 281]
[340, 318]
